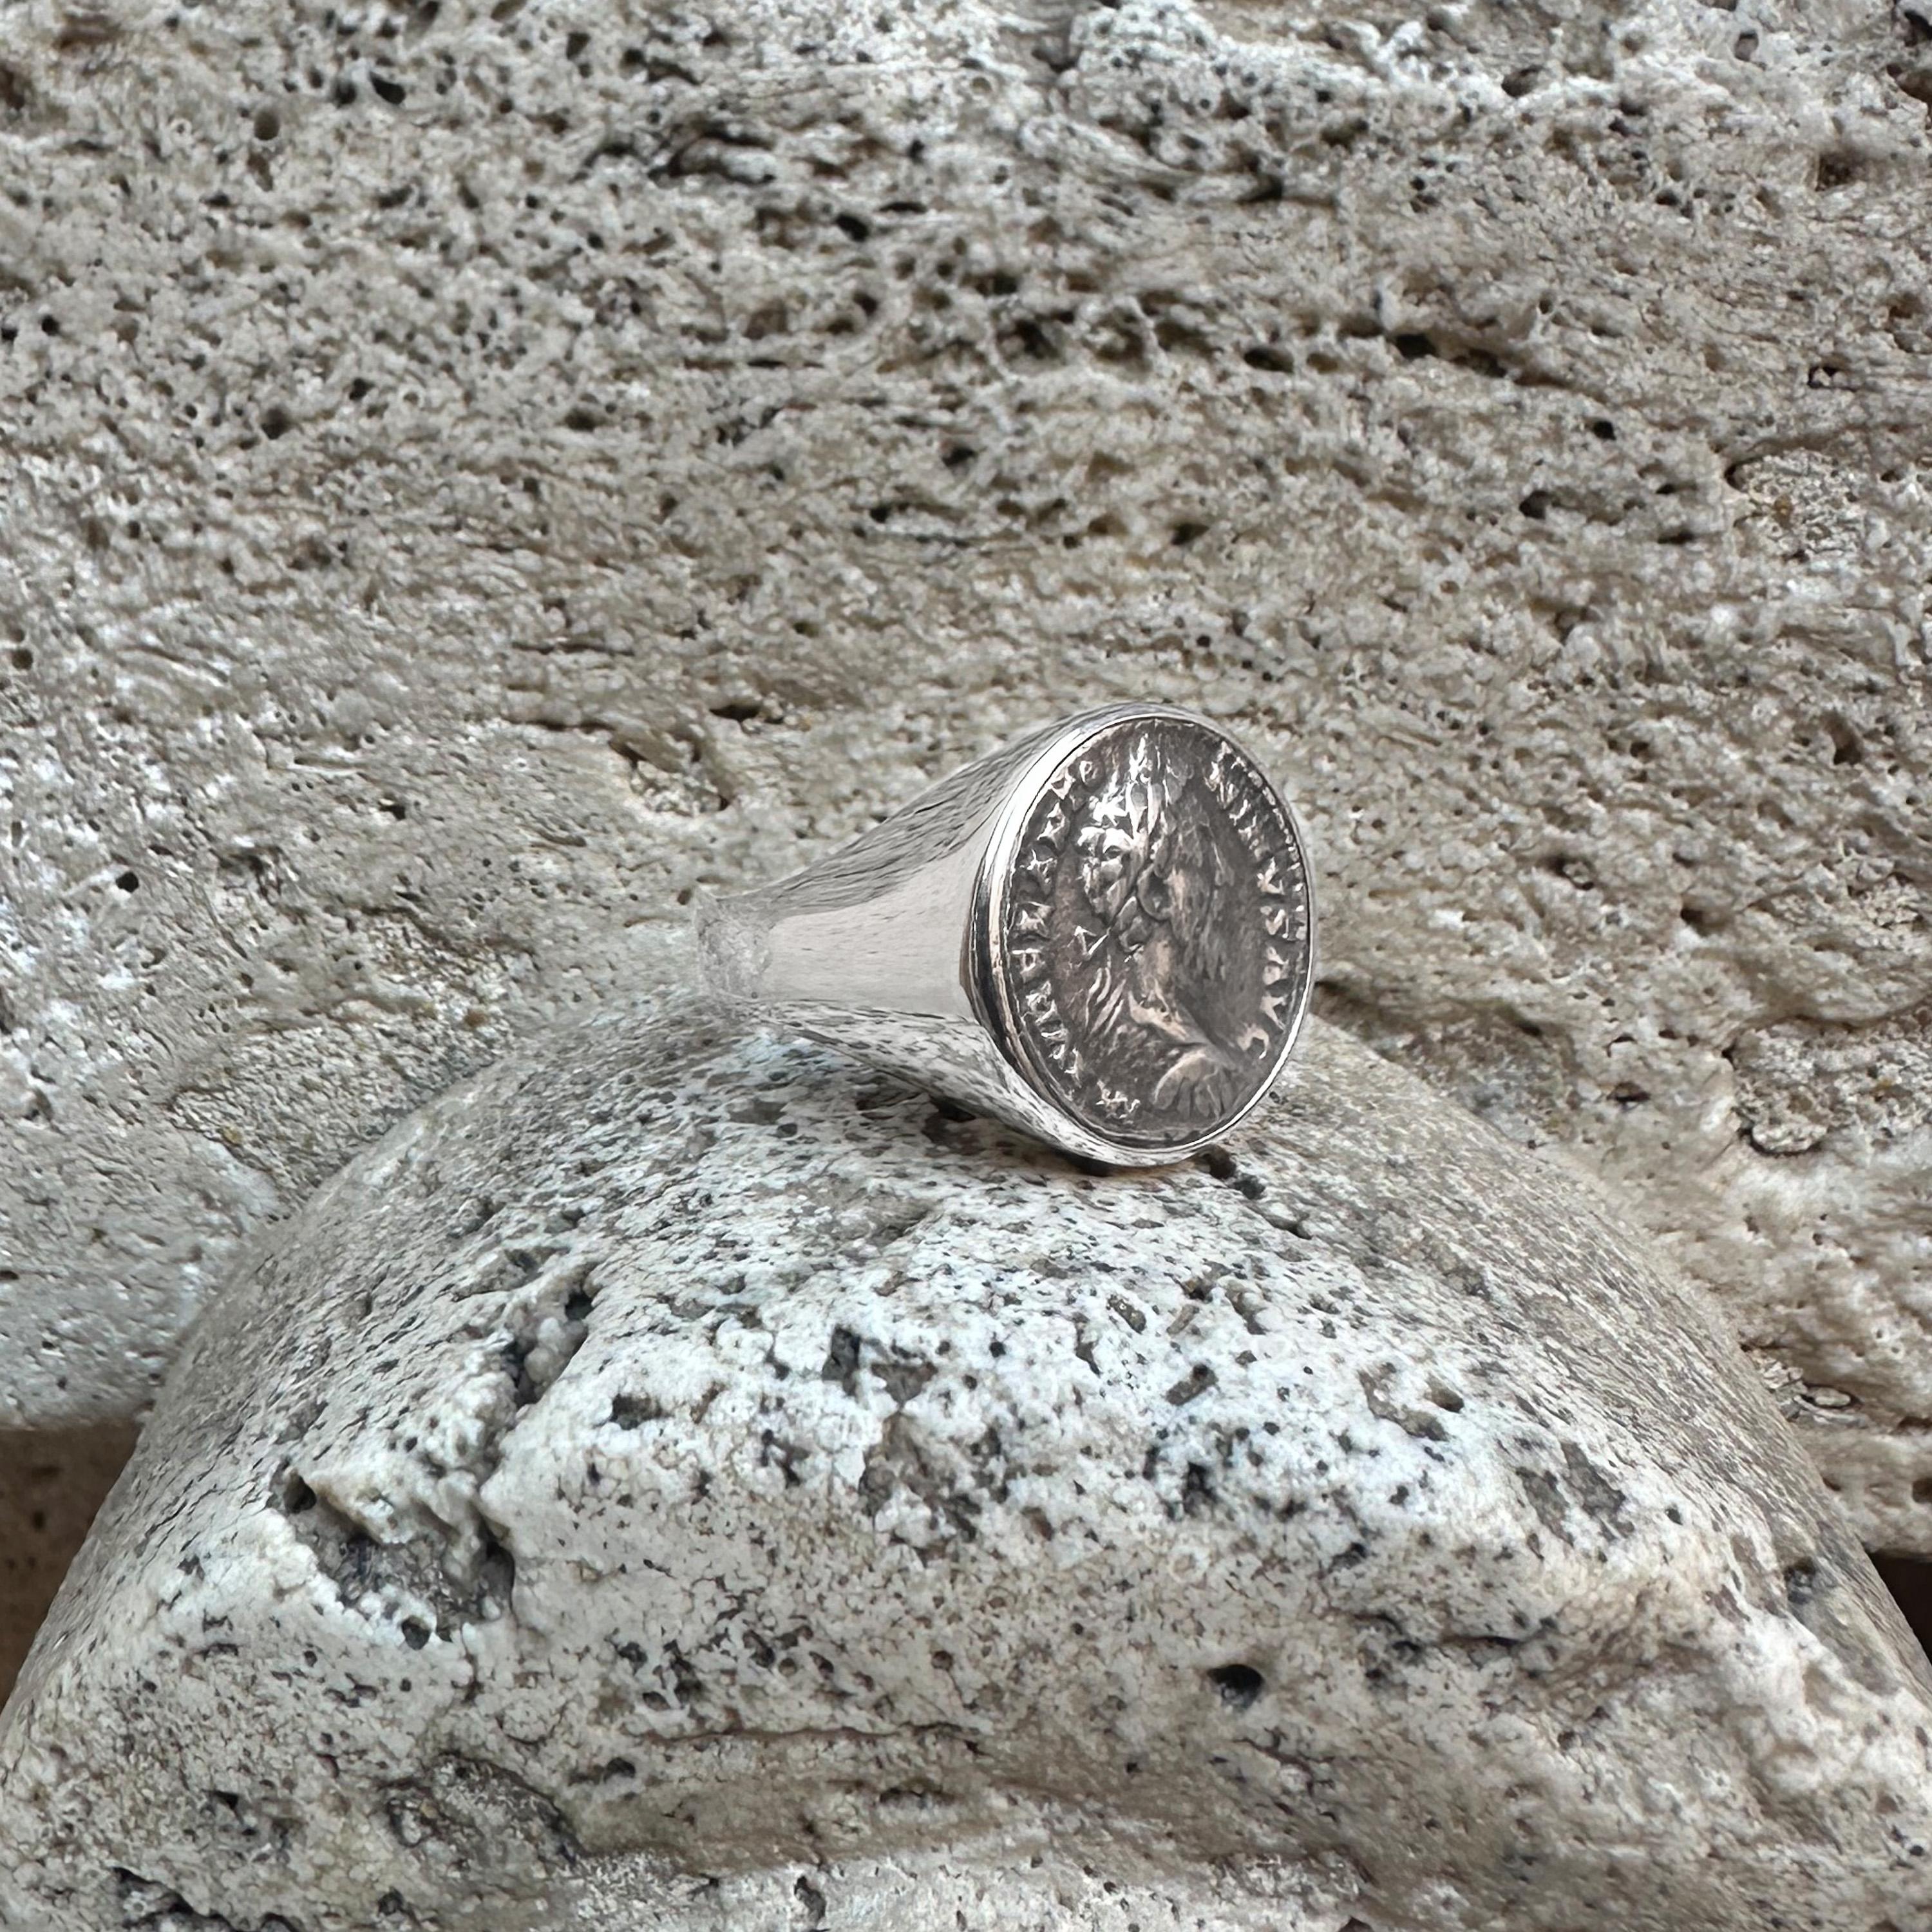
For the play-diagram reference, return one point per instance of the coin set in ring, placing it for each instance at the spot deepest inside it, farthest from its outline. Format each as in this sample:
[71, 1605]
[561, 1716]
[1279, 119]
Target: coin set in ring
[1104, 933]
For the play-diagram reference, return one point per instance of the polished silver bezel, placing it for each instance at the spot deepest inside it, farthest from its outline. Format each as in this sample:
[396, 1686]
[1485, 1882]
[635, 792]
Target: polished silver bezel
[984, 966]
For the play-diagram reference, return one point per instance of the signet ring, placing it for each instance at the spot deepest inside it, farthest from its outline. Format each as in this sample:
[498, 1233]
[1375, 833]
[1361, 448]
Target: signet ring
[1103, 934]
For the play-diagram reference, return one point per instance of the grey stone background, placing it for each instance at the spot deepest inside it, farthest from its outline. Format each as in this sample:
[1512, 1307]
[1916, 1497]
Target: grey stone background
[683, 1481]
[473, 475]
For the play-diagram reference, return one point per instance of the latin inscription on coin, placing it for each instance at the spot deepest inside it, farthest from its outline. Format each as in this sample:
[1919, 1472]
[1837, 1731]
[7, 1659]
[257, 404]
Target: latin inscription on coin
[1155, 935]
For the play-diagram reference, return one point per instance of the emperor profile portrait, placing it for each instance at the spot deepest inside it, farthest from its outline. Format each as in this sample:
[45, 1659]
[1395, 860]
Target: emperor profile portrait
[1161, 960]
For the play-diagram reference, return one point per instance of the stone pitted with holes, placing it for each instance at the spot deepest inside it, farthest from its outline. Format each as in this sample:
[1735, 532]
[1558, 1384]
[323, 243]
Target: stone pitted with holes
[682, 1484]
[1103, 933]
[491, 471]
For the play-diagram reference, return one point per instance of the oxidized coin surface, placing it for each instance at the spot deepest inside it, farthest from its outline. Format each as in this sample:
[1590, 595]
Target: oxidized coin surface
[1155, 937]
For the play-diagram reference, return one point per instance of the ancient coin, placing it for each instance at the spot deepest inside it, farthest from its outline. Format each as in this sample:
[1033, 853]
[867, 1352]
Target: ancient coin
[1155, 936]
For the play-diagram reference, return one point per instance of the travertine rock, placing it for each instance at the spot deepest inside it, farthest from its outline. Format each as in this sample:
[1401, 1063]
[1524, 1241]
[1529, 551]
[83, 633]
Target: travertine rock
[472, 473]
[674, 1484]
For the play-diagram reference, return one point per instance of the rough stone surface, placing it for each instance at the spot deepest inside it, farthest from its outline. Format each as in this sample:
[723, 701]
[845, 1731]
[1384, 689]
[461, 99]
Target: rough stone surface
[695, 1485]
[51, 1483]
[473, 473]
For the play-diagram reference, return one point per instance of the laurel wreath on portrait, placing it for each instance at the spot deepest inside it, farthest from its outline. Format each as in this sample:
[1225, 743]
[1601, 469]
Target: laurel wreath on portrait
[1135, 836]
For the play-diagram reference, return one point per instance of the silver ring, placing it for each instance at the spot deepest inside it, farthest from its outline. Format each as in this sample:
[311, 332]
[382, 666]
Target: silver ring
[1103, 934]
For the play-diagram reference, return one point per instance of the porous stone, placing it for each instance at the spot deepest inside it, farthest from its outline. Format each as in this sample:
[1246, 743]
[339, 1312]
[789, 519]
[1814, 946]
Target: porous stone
[677, 1482]
[474, 473]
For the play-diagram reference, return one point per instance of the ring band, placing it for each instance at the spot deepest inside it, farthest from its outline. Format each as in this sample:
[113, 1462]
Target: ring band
[1103, 934]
